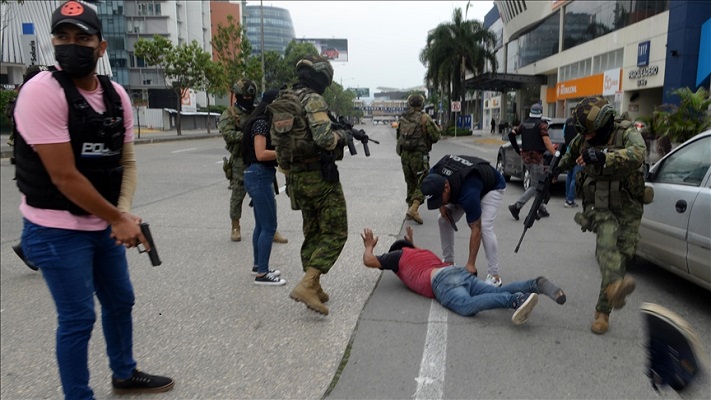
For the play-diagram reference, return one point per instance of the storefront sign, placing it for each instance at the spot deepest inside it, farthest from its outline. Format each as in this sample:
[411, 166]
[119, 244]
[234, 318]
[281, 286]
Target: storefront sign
[575, 88]
[611, 81]
[643, 72]
[29, 43]
[643, 54]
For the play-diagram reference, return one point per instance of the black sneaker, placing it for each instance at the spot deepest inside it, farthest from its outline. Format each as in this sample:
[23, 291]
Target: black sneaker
[272, 272]
[514, 211]
[523, 303]
[141, 382]
[269, 280]
[18, 250]
[543, 213]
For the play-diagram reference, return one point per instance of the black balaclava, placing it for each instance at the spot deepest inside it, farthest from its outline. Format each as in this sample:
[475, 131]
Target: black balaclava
[603, 134]
[313, 80]
[246, 103]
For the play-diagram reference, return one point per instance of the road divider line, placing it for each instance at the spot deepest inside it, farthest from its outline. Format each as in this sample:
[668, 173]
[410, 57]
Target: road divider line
[430, 382]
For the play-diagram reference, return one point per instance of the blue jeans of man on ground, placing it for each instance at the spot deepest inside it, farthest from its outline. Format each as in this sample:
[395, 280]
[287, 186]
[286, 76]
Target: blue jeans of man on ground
[536, 172]
[76, 265]
[570, 184]
[259, 182]
[460, 291]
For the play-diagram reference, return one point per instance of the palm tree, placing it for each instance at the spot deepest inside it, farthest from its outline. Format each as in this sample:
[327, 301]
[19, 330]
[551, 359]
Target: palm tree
[454, 48]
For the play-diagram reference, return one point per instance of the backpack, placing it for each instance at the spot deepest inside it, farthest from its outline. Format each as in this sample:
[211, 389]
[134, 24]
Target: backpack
[290, 131]
[411, 128]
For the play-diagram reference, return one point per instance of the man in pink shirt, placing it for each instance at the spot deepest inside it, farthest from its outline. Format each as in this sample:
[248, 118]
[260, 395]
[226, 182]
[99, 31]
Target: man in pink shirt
[76, 169]
[454, 287]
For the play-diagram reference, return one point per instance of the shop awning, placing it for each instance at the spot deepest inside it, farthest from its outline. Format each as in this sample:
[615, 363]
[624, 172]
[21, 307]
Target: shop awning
[503, 82]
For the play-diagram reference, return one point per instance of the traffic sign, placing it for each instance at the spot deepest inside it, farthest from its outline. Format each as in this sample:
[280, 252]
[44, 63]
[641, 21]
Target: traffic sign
[456, 106]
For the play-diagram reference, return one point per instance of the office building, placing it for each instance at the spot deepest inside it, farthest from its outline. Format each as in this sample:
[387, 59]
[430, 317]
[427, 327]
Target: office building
[278, 28]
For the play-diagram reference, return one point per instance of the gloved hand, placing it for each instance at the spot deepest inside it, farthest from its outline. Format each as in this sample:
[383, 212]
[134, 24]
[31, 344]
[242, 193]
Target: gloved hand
[594, 156]
[359, 134]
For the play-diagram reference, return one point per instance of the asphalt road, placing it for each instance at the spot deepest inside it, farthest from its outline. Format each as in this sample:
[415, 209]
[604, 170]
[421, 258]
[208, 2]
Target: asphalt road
[199, 318]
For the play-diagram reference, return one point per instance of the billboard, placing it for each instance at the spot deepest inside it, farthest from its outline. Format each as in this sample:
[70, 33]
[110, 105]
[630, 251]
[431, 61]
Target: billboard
[360, 92]
[333, 49]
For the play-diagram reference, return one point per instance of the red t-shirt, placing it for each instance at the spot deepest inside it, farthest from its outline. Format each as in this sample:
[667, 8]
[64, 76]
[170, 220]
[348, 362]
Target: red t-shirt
[414, 268]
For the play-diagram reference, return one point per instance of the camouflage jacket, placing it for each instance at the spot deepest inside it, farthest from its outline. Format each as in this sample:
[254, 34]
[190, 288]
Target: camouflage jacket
[316, 111]
[430, 130]
[624, 155]
[231, 124]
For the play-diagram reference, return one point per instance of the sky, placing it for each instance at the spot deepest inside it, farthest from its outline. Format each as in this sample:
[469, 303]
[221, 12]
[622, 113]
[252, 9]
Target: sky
[385, 38]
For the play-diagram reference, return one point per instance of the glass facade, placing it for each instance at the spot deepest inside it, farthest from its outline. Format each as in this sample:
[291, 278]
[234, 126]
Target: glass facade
[111, 14]
[278, 28]
[587, 20]
[539, 42]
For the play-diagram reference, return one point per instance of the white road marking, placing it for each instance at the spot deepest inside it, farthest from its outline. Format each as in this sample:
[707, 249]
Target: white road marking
[430, 382]
[184, 150]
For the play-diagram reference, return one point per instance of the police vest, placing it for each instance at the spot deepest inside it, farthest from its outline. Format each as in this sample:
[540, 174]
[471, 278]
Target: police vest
[531, 135]
[458, 168]
[97, 143]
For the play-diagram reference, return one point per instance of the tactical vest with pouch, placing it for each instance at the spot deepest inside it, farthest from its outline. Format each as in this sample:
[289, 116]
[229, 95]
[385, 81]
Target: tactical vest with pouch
[97, 143]
[608, 188]
[531, 139]
[290, 131]
[412, 135]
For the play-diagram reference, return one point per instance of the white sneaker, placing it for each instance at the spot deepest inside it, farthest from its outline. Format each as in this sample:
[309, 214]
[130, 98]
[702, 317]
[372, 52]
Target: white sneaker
[492, 280]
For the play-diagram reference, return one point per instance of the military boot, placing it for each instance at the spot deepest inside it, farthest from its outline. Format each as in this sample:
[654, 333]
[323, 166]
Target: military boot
[618, 290]
[413, 214]
[601, 323]
[323, 296]
[278, 238]
[236, 235]
[306, 291]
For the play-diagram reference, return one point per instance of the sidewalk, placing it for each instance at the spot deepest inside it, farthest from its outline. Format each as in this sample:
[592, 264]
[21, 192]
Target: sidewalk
[146, 136]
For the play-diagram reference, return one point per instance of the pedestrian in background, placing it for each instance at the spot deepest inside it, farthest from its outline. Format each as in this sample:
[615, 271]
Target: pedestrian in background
[569, 133]
[76, 169]
[416, 132]
[459, 185]
[613, 192]
[535, 141]
[259, 177]
[493, 125]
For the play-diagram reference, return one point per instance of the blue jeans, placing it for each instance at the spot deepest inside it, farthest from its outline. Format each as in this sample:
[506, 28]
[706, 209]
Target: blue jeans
[259, 182]
[570, 183]
[466, 295]
[76, 265]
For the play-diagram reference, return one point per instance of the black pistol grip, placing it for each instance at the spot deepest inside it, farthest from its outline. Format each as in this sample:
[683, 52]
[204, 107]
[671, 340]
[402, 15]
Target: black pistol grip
[153, 253]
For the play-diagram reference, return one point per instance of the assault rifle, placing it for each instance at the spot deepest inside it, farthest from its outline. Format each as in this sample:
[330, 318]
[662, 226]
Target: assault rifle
[341, 123]
[153, 252]
[542, 193]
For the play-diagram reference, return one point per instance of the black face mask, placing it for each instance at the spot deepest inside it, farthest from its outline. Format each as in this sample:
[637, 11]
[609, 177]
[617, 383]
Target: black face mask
[247, 104]
[78, 61]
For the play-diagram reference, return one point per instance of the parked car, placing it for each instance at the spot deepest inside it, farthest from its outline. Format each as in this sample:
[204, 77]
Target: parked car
[509, 163]
[675, 233]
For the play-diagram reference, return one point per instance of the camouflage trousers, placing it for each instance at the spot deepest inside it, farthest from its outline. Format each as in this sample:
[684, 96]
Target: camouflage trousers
[617, 233]
[415, 165]
[238, 190]
[325, 222]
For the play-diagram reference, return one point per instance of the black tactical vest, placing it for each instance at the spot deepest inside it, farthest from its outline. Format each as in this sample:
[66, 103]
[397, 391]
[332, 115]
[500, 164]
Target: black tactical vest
[458, 168]
[97, 143]
[531, 136]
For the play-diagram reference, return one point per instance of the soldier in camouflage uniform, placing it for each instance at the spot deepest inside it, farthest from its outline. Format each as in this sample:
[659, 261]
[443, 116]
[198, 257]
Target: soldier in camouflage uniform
[231, 124]
[312, 177]
[611, 185]
[416, 132]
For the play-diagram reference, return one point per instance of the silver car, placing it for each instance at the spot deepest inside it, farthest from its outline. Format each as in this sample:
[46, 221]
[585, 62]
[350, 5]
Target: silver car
[675, 233]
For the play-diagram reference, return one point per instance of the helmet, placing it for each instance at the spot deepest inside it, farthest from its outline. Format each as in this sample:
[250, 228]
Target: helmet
[415, 100]
[244, 87]
[319, 65]
[536, 111]
[591, 114]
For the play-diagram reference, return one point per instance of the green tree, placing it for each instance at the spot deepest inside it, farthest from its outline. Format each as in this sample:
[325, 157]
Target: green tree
[339, 101]
[454, 48]
[214, 82]
[184, 65]
[690, 117]
[232, 50]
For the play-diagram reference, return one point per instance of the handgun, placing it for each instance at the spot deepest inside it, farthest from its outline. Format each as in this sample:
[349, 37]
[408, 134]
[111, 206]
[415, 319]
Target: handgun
[153, 252]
